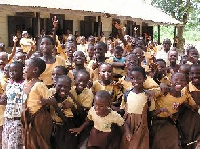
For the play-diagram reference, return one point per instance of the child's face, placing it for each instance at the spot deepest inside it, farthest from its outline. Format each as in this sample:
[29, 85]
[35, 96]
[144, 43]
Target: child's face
[70, 49]
[161, 67]
[100, 106]
[81, 82]
[193, 54]
[131, 61]
[172, 56]
[46, 46]
[99, 51]
[6, 71]
[79, 58]
[139, 53]
[15, 72]
[3, 61]
[166, 44]
[184, 59]
[91, 51]
[83, 41]
[178, 81]
[106, 72]
[20, 57]
[28, 70]
[91, 40]
[137, 79]
[63, 87]
[195, 75]
[56, 73]
[118, 53]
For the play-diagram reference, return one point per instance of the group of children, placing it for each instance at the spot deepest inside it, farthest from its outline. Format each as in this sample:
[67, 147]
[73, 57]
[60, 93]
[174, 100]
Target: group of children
[79, 98]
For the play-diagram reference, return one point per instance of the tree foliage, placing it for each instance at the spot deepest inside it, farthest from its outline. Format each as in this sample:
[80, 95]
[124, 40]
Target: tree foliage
[179, 9]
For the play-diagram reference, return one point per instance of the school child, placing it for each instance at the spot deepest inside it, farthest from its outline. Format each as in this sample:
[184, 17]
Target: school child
[104, 134]
[164, 130]
[83, 46]
[193, 55]
[185, 68]
[118, 63]
[11, 55]
[131, 61]
[70, 48]
[91, 40]
[36, 118]
[63, 113]
[172, 58]
[84, 96]
[20, 56]
[46, 46]
[149, 82]
[136, 133]
[105, 82]
[3, 83]
[100, 50]
[79, 60]
[58, 71]
[12, 128]
[190, 117]
[90, 52]
[184, 59]
[160, 74]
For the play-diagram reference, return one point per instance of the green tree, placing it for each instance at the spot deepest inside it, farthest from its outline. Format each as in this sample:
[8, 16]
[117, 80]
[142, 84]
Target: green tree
[180, 10]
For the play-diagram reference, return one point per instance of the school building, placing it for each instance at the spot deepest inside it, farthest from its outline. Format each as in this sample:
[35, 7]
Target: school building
[88, 17]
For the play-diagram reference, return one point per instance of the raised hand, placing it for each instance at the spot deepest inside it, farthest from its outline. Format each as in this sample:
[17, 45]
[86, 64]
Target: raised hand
[15, 39]
[55, 22]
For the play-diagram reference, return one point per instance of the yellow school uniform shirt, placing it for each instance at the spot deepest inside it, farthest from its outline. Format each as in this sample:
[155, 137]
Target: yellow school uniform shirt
[66, 112]
[113, 89]
[3, 83]
[38, 91]
[82, 48]
[46, 76]
[192, 88]
[148, 84]
[172, 103]
[94, 73]
[104, 123]
[85, 98]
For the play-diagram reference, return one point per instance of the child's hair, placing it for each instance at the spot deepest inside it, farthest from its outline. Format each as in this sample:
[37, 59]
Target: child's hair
[19, 63]
[195, 65]
[161, 60]
[178, 73]
[190, 48]
[139, 69]
[102, 44]
[38, 62]
[80, 52]
[119, 48]
[102, 94]
[84, 72]
[107, 64]
[50, 38]
[64, 69]
[69, 81]
[2, 46]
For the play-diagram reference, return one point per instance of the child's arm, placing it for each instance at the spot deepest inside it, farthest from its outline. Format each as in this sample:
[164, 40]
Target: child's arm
[80, 129]
[118, 64]
[127, 132]
[15, 39]
[160, 110]
[3, 99]
[49, 101]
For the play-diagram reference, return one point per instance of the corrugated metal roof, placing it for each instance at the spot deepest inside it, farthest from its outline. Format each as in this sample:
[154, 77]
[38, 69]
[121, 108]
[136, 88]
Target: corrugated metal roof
[135, 9]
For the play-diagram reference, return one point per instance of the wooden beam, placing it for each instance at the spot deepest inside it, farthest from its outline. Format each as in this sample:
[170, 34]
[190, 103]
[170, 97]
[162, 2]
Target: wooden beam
[99, 26]
[158, 34]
